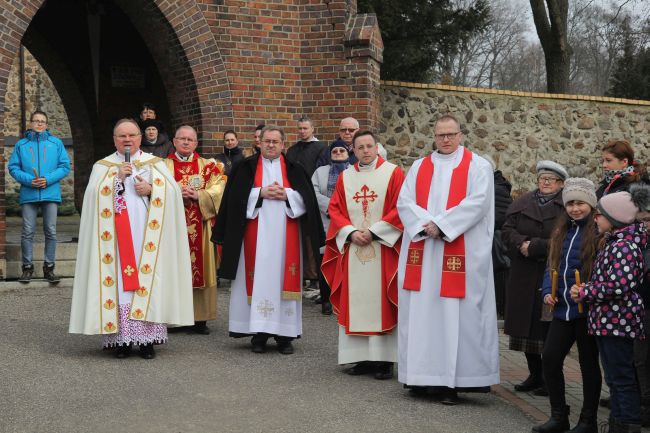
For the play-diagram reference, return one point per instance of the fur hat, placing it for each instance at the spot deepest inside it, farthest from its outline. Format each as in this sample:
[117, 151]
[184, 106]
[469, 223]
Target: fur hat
[551, 167]
[618, 208]
[579, 188]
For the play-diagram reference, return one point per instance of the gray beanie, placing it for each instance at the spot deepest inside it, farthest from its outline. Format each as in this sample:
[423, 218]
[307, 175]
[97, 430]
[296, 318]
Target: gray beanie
[551, 167]
[579, 188]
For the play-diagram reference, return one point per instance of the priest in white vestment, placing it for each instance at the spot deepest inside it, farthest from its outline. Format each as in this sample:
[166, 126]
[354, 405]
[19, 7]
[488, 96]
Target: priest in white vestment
[261, 243]
[448, 339]
[360, 260]
[127, 284]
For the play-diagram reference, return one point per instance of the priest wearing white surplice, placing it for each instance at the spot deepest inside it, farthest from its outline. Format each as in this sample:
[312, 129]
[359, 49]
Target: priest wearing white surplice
[448, 339]
[133, 273]
[267, 207]
[360, 260]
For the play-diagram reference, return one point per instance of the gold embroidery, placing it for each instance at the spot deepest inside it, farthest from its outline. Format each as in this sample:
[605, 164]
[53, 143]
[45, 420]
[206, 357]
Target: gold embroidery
[109, 327]
[108, 281]
[142, 291]
[106, 236]
[153, 225]
[107, 259]
[293, 269]
[129, 270]
[454, 263]
[157, 202]
[158, 182]
[106, 213]
[106, 190]
[145, 269]
[414, 257]
[150, 247]
[109, 304]
[137, 314]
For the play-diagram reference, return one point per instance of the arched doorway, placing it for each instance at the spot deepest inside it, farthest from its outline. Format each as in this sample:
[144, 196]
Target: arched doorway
[106, 57]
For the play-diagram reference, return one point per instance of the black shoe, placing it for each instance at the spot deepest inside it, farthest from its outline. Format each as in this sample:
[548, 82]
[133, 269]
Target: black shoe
[123, 351]
[178, 329]
[363, 367]
[586, 424]
[147, 352]
[28, 272]
[384, 370]
[450, 397]
[557, 423]
[259, 343]
[326, 308]
[542, 391]
[48, 273]
[285, 347]
[200, 328]
[532, 382]
[418, 391]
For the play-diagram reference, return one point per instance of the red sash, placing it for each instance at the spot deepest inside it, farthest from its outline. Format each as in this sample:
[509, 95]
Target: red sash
[183, 170]
[128, 267]
[292, 279]
[453, 259]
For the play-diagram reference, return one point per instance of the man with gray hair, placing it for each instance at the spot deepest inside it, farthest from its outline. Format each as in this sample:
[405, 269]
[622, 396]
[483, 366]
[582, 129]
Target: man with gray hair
[260, 237]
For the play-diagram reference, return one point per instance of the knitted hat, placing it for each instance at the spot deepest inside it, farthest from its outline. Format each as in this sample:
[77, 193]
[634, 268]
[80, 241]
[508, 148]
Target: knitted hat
[552, 168]
[579, 188]
[618, 208]
[338, 143]
[151, 122]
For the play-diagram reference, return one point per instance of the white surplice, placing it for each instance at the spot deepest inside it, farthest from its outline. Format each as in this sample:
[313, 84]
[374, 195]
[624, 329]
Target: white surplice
[449, 341]
[268, 312]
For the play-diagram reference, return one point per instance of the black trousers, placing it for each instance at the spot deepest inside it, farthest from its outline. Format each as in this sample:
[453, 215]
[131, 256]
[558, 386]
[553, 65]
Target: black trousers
[642, 362]
[322, 284]
[560, 338]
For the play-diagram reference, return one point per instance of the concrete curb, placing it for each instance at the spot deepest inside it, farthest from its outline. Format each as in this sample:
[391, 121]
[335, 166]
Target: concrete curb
[15, 286]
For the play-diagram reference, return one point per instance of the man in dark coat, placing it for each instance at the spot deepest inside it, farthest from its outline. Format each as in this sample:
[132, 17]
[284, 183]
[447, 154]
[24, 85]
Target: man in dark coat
[154, 140]
[232, 153]
[307, 150]
[268, 192]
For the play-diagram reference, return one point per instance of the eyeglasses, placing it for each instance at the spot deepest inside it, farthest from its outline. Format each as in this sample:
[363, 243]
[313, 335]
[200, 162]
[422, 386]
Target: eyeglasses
[339, 150]
[348, 130]
[39, 121]
[449, 136]
[188, 139]
[125, 136]
[549, 180]
[274, 142]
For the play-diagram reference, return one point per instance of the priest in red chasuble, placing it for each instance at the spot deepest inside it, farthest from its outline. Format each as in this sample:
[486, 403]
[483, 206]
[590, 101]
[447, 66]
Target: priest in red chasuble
[202, 184]
[360, 260]
[448, 340]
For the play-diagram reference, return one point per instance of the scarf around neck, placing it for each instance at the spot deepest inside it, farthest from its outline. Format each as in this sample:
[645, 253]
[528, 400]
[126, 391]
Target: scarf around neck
[336, 167]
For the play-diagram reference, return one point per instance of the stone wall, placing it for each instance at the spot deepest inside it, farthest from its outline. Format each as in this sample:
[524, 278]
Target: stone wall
[517, 129]
[40, 94]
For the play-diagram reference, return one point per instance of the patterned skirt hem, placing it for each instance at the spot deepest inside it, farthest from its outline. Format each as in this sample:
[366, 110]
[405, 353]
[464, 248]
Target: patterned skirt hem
[135, 331]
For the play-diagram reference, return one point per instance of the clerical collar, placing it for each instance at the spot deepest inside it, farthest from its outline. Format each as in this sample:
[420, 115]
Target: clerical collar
[270, 161]
[368, 167]
[447, 156]
[183, 158]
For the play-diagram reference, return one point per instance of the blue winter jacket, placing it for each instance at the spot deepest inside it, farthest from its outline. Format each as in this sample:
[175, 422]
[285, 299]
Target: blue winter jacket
[46, 154]
[566, 309]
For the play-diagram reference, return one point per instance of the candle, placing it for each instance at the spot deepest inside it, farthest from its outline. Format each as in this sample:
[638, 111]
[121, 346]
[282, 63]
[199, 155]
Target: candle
[554, 284]
[580, 308]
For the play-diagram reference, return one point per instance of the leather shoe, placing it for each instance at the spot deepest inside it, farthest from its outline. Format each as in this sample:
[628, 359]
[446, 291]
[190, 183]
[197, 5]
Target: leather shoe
[532, 382]
[285, 347]
[123, 351]
[449, 397]
[384, 370]
[360, 368]
[200, 328]
[326, 309]
[259, 344]
[542, 391]
[418, 391]
[147, 352]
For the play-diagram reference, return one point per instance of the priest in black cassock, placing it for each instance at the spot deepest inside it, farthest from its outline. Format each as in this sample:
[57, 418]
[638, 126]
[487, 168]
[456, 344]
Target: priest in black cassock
[267, 207]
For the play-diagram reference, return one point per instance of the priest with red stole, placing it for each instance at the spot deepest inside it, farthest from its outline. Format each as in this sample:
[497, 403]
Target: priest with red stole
[268, 206]
[360, 260]
[202, 183]
[448, 339]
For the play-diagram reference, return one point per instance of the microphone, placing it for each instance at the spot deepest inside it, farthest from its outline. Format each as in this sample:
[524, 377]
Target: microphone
[127, 153]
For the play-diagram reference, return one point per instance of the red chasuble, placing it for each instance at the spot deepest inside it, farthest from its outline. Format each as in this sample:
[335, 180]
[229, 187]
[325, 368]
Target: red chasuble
[188, 173]
[335, 264]
[452, 284]
[292, 283]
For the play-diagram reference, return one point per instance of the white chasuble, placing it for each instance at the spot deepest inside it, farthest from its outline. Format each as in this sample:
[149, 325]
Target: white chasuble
[449, 341]
[267, 311]
[365, 193]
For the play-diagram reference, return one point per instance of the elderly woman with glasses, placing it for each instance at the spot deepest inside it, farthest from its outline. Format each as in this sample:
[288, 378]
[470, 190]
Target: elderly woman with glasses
[324, 180]
[526, 232]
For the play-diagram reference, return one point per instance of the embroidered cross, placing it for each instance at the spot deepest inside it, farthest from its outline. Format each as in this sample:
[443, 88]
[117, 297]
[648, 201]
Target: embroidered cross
[129, 270]
[293, 269]
[365, 195]
[414, 257]
[251, 274]
[454, 263]
[265, 308]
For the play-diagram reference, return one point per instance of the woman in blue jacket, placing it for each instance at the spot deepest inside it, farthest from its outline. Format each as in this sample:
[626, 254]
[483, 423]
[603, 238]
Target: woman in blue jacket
[572, 248]
[39, 162]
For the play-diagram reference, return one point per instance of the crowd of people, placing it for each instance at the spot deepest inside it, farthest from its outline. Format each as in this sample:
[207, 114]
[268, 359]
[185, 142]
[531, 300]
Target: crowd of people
[407, 262]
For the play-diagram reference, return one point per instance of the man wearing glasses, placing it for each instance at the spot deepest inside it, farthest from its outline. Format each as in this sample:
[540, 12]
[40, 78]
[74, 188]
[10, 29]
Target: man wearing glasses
[447, 339]
[39, 162]
[349, 126]
[133, 274]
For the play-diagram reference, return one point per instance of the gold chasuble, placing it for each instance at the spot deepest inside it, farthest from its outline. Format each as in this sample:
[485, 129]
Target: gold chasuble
[205, 176]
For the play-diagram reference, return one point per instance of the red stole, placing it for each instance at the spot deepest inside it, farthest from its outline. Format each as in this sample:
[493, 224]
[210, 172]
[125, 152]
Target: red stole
[453, 259]
[183, 172]
[292, 283]
[128, 267]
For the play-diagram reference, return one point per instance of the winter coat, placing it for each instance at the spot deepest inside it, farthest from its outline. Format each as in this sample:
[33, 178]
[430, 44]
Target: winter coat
[615, 306]
[325, 157]
[41, 153]
[502, 199]
[161, 148]
[527, 221]
[229, 158]
[566, 309]
[306, 154]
